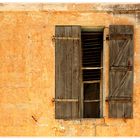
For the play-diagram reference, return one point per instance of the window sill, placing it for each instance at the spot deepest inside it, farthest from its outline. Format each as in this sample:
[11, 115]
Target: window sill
[84, 120]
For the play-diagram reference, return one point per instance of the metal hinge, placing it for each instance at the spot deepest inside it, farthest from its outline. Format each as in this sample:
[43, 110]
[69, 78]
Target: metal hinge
[107, 37]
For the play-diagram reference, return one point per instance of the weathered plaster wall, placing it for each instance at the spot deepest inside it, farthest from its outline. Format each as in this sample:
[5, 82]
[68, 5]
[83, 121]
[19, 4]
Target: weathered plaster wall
[27, 80]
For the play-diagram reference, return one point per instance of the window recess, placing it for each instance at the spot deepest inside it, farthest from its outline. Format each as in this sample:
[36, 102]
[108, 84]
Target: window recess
[92, 48]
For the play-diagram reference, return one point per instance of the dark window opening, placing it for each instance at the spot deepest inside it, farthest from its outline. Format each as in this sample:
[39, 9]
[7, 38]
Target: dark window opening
[92, 50]
[91, 100]
[91, 74]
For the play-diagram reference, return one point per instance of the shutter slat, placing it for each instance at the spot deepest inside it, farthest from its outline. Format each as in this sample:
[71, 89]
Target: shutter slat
[58, 75]
[121, 72]
[67, 73]
[76, 69]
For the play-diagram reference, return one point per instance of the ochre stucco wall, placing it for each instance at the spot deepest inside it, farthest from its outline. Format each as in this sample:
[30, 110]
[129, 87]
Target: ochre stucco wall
[27, 71]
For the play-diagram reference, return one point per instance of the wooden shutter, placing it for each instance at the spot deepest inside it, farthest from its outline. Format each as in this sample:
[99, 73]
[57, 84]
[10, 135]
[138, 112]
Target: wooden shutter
[67, 71]
[121, 71]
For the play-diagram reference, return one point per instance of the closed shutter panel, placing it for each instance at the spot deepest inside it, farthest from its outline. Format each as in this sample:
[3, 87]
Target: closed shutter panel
[67, 71]
[121, 71]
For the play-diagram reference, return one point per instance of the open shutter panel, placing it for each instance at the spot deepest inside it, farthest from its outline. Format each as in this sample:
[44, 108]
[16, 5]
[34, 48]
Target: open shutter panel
[67, 71]
[121, 71]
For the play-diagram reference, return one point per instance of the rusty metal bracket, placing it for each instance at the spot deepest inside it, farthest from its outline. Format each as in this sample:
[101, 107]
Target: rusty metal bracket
[53, 100]
[53, 38]
[107, 37]
[106, 99]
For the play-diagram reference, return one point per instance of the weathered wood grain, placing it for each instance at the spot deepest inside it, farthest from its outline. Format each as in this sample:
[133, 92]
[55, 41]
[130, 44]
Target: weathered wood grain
[67, 71]
[121, 72]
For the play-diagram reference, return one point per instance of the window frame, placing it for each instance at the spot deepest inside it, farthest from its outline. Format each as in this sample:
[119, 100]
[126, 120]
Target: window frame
[102, 86]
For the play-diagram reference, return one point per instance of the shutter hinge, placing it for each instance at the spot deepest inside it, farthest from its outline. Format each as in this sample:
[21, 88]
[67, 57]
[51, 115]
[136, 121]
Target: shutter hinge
[53, 100]
[107, 98]
[53, 38]
[107, 37]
